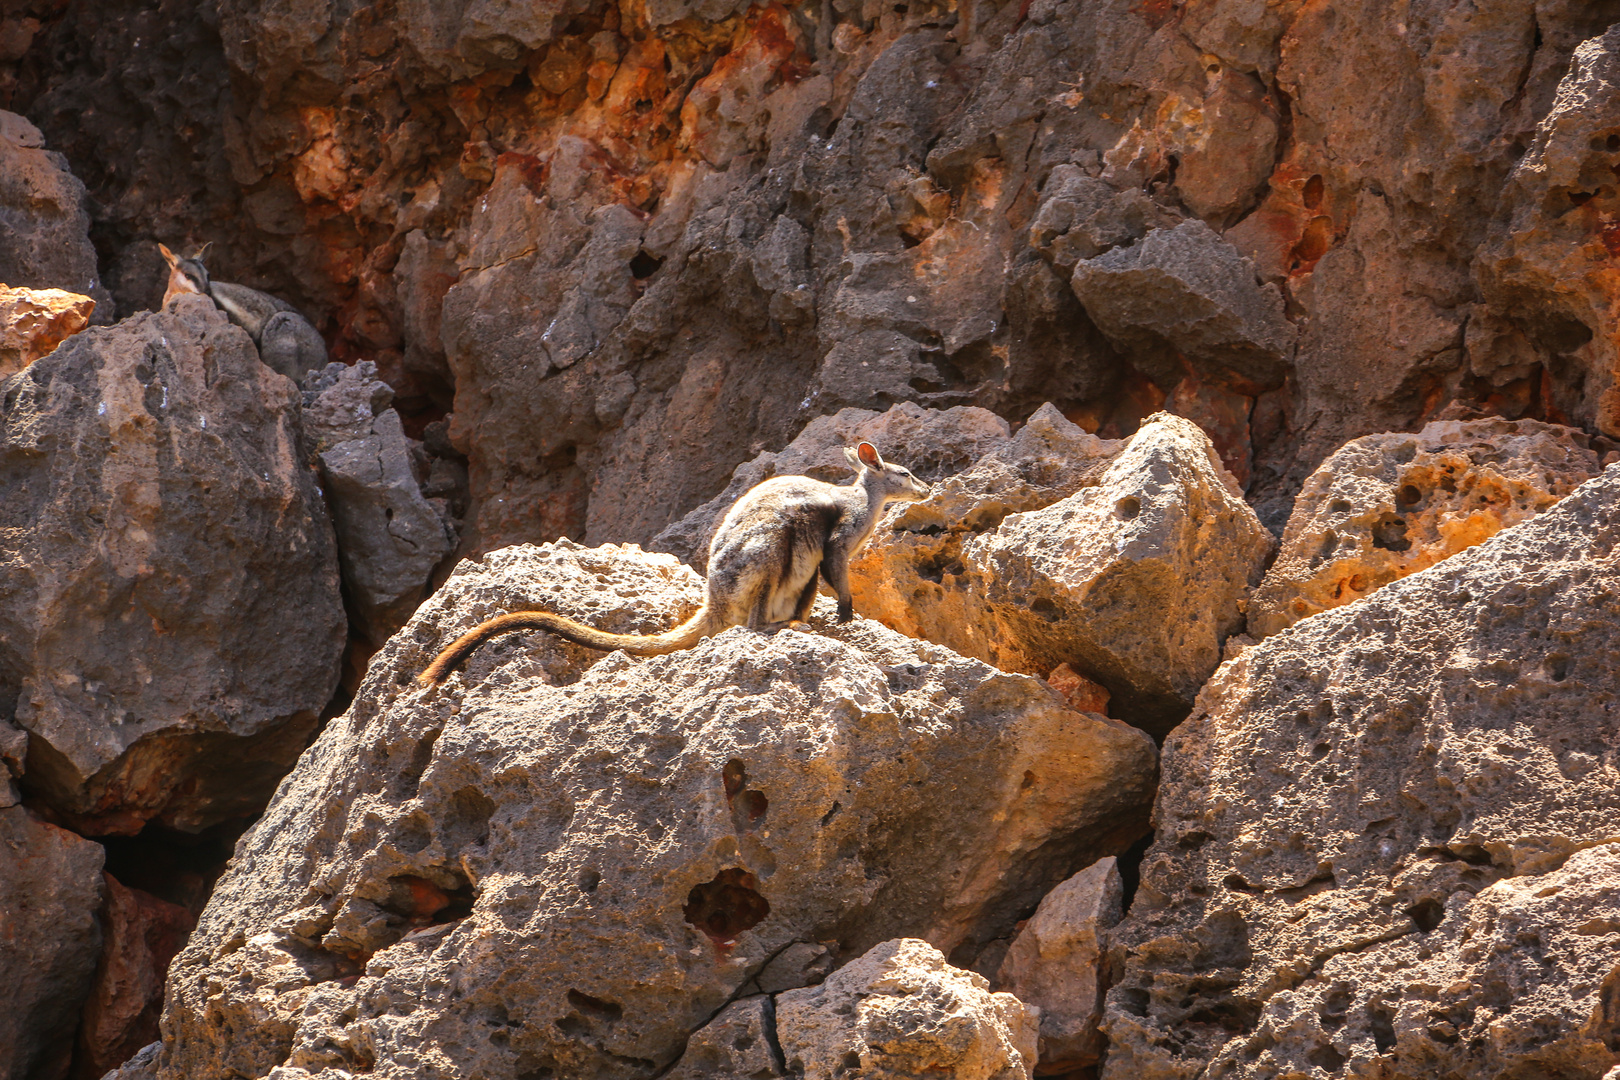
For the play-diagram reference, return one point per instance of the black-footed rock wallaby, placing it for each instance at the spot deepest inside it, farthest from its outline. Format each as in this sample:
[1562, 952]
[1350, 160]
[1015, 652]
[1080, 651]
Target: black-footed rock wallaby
[763, 563]
[286, 340]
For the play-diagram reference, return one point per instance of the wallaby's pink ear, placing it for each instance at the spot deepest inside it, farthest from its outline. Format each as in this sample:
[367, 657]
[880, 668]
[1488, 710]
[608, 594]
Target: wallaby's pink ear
[168, 256]
[869, 456]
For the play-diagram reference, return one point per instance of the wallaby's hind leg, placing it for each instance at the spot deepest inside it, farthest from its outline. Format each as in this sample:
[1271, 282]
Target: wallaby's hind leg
[290, 345]
[835, 568]
[807, 600]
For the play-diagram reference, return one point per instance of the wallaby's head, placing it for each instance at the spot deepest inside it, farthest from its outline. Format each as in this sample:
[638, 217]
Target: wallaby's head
[894, 482]
[187, 274]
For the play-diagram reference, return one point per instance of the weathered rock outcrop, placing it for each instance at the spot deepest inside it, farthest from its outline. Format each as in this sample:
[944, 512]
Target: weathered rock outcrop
[35, 321]
[50, 892]
[1385, 506]
[390, 535]
[1371, 848]
[1056, 963]
[1130, 562]
[44, 219]
[901, 1011]
[593, 860]
[932, 443]
[170, 625]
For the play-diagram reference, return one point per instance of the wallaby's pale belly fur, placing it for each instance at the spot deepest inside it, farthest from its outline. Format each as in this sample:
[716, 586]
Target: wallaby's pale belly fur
[763, 563]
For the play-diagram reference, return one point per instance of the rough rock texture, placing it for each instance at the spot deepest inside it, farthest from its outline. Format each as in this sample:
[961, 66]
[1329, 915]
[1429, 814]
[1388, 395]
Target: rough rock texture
[1057, 964]
[50, 890]
[1385, 506]
[34, 321]
[932, 443]
[739, 1042]
[141, 935]
[170, 625]
[593, 861]
[1366, 831]
[901, 1011]
[1131, 563]
[390, 535]
[44, 219]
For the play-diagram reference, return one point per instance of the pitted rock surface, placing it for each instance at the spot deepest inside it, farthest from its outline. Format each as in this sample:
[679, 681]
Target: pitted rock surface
[596, 859]
[35, 321]
[1385, 506]
[901, 1011]
[170, 624]
[44, 219]
[932, 443]
[1357, 828]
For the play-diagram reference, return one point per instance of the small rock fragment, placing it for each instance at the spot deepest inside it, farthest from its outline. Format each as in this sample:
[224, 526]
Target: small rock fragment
[1081, 694]
[901, 1011]
[735, 1045]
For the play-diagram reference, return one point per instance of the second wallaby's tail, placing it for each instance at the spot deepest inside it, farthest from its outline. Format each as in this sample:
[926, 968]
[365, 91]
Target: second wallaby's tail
[683, 636]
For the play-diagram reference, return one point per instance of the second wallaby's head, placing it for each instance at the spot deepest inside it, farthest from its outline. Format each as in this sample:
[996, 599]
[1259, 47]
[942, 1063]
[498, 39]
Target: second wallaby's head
[187, 274]
[894, 482]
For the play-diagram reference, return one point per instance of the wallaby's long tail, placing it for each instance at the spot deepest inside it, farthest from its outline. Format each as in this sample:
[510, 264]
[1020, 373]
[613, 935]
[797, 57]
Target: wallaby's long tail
[683, 636]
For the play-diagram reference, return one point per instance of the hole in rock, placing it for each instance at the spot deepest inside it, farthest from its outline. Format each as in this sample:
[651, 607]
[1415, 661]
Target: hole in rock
[726, 906]
[1236, 883]
[1472, 854]
[1612, 143]
[1581, 198]
[1127, 508]
[755, 804]
[1129, 864]
[644, 266]
[1390, 534]
[1557, 666]
[589, 880]
[1427, 914]
[1381, 1021]
[1339, 506]
[1313, 192]
[1409, 495]
[1045, 608]
[593, 1006]
[832, 812]
[176, 866]
[1133, 1000]
[734, 777]
[1325, 1057]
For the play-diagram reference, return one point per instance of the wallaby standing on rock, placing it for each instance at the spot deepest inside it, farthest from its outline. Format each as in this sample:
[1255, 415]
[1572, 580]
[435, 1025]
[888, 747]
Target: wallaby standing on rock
[762, 563]
[286, 340]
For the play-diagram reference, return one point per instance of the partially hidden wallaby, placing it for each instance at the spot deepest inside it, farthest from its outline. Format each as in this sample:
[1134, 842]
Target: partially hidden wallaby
[763, 563]
[286, 340]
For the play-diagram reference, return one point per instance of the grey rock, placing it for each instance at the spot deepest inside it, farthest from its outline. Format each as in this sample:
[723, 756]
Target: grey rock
[170, 622]
[738, 1044]
[595, 854]
[390, 536]
[901, 1011]
[50, 892]
[1185, 290]
[1366, 830]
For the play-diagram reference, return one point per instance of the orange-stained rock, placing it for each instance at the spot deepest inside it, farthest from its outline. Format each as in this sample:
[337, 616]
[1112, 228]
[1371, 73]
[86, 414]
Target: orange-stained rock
[1385, 506]
[34, 321]
[1081, 694]
[141, 934]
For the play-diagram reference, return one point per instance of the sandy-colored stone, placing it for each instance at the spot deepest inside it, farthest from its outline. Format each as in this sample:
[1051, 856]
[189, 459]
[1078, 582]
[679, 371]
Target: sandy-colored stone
[44, 219]
[1385, 506]
[170, 621]
[1131, 562]
[901, 1011]
[738, 1044]
[50, 893]
[932, 443]
[1056, 963]
[601, 852]
[1357, 829]
[35, 321]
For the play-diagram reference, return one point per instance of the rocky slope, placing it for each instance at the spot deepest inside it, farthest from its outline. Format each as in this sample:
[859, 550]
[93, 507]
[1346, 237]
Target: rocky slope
[1262, 358]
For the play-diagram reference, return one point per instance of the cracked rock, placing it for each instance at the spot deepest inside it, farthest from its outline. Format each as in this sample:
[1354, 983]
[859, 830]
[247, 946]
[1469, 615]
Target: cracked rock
[1358, 827]
[594, 854]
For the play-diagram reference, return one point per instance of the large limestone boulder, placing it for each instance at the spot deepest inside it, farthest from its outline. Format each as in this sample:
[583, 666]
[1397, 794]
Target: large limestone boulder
[932, 443]
[44, 218]
[1130, 562]
[570, 862]
[1057, 963]
[170, 624]
[390, 535]
[901, 1011]
[1385, 506]
[1367, 830]
[50, 893]
[35, 321]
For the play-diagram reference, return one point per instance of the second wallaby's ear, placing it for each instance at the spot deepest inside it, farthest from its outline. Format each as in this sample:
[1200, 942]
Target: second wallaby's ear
[869, 456]
[202, 252]
[168, 256]
[849, 455]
